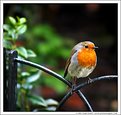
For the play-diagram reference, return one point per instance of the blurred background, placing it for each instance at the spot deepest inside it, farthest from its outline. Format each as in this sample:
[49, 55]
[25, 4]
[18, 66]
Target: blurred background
[52, 31]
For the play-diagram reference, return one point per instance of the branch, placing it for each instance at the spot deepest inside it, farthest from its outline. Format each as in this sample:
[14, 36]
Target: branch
[81, 95]
[43, 69]
[94, 80]
[64, 99]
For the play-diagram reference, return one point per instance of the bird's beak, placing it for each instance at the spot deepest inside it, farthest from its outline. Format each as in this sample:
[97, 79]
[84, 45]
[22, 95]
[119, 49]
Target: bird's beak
[95, 47]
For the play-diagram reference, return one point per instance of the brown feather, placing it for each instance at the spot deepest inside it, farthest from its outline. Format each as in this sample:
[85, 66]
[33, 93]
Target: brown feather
[68, 62]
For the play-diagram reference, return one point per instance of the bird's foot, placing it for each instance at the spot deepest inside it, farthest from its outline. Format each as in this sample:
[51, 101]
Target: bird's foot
[72, 88]
[89, 80]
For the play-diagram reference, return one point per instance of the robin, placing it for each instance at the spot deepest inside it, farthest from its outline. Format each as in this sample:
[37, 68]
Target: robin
[82, 61]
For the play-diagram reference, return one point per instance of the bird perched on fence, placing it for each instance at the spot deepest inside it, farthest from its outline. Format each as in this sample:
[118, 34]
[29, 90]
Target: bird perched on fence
[82, 61]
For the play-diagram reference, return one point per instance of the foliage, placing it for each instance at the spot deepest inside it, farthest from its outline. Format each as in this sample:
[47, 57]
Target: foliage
[52, 49]
[27, 77]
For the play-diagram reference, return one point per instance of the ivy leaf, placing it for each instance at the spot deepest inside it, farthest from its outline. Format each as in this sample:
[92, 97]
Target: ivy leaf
[37, 100]
[12, 20]
[31, 53]
[21, 29]
[22, 51]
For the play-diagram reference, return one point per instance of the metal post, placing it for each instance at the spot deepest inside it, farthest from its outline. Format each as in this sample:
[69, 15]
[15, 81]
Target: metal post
[5, 93]
[12, 81]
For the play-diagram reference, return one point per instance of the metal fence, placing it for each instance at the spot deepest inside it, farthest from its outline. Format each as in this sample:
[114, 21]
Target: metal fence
[10, 81]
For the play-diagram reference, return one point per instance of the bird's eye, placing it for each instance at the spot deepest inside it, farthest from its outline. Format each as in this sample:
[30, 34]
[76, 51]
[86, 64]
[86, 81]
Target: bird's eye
[86, 46]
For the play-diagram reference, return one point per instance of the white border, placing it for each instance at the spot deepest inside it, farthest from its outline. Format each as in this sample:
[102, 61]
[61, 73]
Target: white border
[61, 1]
[119, 57]
[1, 58]
[48, 1]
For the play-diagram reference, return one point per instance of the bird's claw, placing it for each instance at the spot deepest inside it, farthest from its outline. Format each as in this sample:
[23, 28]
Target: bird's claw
[89, 80]
[72, 89]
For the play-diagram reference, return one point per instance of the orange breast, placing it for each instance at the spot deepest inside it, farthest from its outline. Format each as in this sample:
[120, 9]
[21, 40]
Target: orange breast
[87, 57]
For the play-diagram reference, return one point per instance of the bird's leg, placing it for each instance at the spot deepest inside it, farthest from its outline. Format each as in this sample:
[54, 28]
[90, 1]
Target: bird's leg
[73, 84]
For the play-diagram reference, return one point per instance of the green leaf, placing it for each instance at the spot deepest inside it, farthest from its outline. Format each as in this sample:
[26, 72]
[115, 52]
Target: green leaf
[13, 35]
[37, 100]
[21, 29]
[12, 20]
[34, 77]
[6, 36]
[51, 109]
[51, 102]
[22, 20]
[27, 86]
[25, 74]
[22, 52]
[7, 44]
[6, 27]
[31, 53]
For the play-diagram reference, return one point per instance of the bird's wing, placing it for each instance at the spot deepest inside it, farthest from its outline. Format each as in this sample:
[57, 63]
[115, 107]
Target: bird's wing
[68, 62]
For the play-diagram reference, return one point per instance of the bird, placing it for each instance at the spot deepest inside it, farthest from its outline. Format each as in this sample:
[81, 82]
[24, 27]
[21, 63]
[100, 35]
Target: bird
[82, 61]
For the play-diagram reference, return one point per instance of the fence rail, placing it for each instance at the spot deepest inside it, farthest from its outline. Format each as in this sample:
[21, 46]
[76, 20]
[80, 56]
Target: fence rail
[10, 81]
